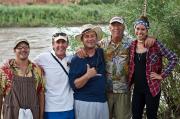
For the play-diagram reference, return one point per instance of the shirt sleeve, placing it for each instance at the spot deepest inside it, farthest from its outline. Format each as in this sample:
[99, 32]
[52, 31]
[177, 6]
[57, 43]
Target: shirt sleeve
[5, 80]
[2, 82]
[40, 84]
[171, 57]
[36, 60]
[74, 72]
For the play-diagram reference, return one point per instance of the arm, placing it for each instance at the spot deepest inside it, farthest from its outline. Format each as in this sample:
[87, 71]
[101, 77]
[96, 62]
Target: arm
[172, 61]
[81, 53]
[40, 91]
[80, 82]
[3, 78]
[41, 104]
[149, 41]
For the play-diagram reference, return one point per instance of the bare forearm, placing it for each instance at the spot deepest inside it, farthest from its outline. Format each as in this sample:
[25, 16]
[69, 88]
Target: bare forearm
[41, 105]
[80, 82]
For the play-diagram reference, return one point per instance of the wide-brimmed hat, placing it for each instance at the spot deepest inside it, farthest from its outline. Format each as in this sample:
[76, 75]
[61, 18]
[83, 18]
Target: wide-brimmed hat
[20, 40]
[117, 19]
[89, 27]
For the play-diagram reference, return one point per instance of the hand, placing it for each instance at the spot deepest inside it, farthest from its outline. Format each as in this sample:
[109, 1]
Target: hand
[91, 72]
[81, 53]
[149, 42]
[154, 75]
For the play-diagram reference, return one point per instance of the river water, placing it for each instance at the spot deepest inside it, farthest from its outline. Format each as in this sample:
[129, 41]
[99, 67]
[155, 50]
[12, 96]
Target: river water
[39, 38]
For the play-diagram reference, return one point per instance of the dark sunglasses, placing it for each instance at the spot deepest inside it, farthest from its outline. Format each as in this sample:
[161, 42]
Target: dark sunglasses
[59, 34]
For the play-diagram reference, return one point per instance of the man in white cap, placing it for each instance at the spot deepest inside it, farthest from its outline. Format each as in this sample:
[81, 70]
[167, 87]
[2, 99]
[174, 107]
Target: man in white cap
[87, 77]
[116, 50]
[58, 94]
[21, 85]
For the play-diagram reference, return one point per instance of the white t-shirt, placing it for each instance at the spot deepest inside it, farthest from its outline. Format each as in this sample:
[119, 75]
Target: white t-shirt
[58, 94]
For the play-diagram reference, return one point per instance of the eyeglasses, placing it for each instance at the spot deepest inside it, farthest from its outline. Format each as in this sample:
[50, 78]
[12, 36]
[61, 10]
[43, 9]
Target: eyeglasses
[22, 47]
[59, 34]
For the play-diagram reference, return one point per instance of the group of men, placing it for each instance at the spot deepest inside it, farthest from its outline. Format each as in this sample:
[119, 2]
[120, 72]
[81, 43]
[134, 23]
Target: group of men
[91, 85]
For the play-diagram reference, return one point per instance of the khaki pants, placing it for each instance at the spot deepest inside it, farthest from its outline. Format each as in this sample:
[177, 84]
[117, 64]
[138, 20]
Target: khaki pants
[119, 105]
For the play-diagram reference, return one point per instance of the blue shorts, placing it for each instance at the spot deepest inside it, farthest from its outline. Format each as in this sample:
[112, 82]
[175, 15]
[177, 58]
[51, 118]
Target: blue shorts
[59, 115]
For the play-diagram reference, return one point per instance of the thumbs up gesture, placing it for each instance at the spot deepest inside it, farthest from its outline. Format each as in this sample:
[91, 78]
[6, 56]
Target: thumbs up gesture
[91, 72]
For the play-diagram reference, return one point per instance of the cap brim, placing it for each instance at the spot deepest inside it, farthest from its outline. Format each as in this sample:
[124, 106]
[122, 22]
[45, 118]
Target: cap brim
[117, 22]
[60, 38]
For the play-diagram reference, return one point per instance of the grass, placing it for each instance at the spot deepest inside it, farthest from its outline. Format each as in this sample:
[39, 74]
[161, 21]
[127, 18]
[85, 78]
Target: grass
[53, 15]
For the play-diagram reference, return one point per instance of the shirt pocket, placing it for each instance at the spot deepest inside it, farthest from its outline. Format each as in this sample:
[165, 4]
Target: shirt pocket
[154, 58]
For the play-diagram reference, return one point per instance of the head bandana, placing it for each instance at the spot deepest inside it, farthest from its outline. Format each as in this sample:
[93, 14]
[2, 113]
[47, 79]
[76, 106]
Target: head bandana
[140, 21]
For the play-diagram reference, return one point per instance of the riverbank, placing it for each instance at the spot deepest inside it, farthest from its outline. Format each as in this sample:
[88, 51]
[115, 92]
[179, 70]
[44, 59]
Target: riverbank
[50, 15]
[58, 15]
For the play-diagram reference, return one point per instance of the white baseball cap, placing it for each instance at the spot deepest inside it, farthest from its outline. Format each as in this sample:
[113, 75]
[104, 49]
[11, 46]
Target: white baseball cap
[117, 19]
[58, 36]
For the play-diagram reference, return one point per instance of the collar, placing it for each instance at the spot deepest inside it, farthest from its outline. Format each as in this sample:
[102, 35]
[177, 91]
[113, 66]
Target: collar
[13, 64]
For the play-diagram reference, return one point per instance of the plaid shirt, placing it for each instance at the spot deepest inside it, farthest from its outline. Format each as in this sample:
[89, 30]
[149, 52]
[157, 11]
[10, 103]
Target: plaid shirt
[154, 64]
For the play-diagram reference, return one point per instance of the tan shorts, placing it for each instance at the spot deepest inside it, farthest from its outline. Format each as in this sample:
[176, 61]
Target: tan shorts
[119, 105]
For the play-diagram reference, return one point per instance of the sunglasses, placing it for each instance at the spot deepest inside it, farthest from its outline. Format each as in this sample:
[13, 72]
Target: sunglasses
[59, 34]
